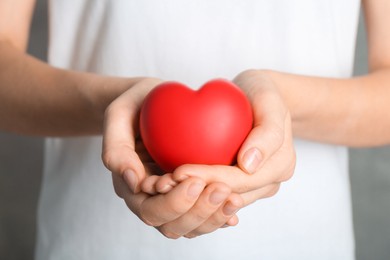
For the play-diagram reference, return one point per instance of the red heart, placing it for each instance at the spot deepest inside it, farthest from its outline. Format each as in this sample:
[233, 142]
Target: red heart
[181, 126]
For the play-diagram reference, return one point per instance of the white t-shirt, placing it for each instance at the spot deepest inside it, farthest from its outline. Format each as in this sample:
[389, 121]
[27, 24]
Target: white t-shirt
[80, 217]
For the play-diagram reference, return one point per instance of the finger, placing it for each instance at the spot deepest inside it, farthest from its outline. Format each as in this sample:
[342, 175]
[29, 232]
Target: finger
[158, 204]
[232, 176]
[160, 209]
[279, 168]
[207, 204]
[225, 214]
[149, 184]
[119, 154]
[158, 184]
[272, 172]
[120, 187]
[133, 201]
[233, 221]
[265, 192]
[166, 183]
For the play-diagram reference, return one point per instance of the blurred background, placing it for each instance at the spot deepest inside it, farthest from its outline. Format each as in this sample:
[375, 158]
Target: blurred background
[21, 166]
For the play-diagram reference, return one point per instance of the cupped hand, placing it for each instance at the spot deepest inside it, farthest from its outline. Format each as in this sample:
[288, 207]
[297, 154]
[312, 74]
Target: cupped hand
[120, 135]
[190, 209]
[266, 158]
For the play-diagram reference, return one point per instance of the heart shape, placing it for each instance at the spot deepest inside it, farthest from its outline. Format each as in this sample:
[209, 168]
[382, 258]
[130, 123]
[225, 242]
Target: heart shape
[182, 126]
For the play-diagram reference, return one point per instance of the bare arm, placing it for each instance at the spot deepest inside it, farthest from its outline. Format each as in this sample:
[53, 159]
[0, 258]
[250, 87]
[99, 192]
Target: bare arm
[352, 112]
[39, 99]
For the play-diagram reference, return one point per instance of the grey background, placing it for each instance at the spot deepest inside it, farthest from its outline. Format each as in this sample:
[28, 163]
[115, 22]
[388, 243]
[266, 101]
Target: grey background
[21, 166]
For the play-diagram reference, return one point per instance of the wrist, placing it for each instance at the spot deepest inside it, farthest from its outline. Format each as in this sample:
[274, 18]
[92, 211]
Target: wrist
[297, 98]
[95, 93]
[101, 91]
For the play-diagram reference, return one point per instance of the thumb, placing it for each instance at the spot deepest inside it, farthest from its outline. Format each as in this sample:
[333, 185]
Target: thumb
[119, 134]
[268, 134]
[120, 130]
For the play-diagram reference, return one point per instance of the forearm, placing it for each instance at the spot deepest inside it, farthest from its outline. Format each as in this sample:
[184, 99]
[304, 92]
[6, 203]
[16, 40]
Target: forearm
[38, 99]
[352, 112]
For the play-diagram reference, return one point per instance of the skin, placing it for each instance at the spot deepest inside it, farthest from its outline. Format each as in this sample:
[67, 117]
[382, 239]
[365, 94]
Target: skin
[37, 99]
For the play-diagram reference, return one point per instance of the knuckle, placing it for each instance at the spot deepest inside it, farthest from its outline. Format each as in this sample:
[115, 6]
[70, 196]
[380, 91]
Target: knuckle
[168, 234]
[185, 171]
[195, 233]
[287, 175]
[144, 217]
[180, 172]
[118, 187]
[118, 191]
[107, 158]
[273, 191]
[289, 171]
[249, 73]
[245, 74]
[118, 157]
[190, 236]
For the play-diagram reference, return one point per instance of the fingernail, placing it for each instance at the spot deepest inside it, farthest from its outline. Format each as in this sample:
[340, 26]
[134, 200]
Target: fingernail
[229, 209]
[251, 160]
[131, 179]
[217, 197]
[195, 189]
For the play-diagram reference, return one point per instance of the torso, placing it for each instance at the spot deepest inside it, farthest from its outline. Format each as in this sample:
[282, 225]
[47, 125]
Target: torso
[80, 216]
